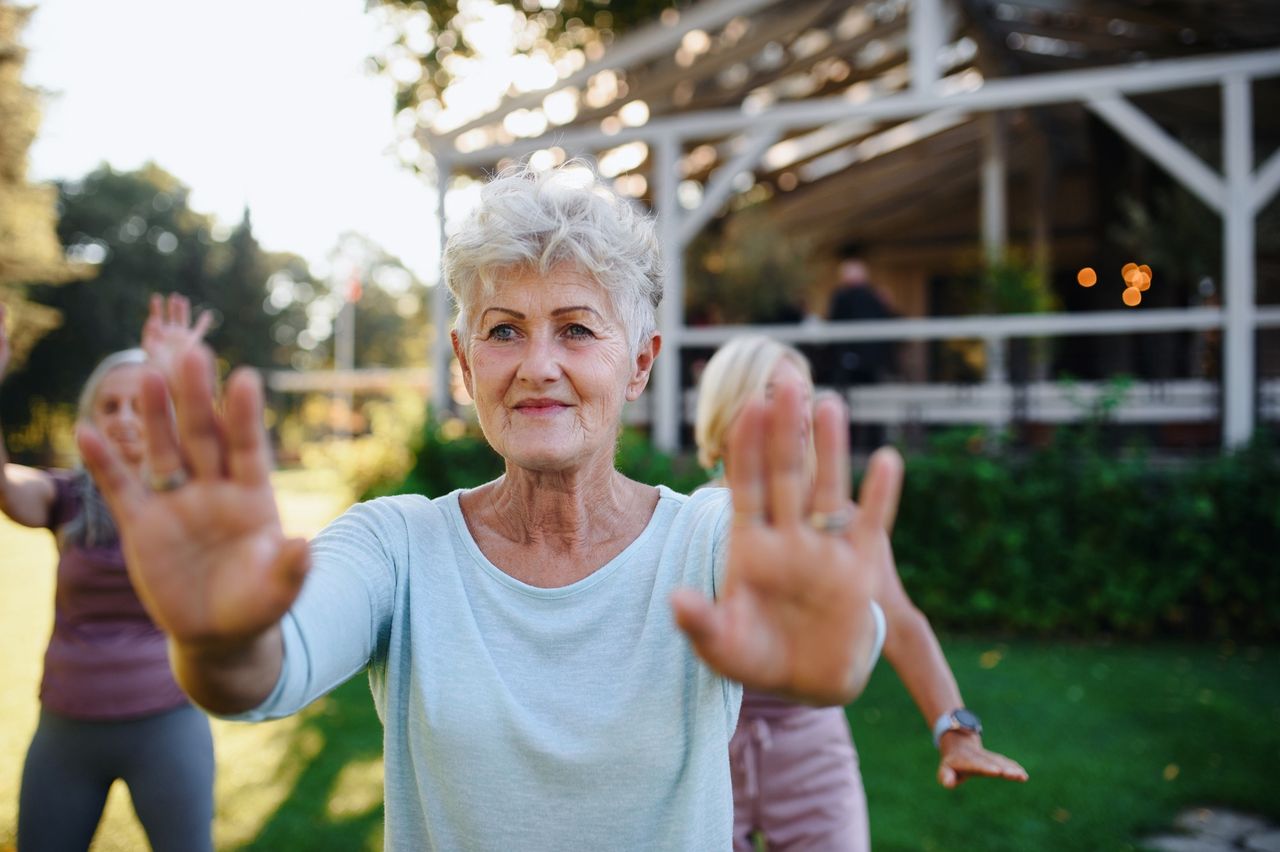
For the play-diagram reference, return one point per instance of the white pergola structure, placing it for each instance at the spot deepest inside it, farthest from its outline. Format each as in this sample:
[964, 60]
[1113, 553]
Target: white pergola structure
[932, 93]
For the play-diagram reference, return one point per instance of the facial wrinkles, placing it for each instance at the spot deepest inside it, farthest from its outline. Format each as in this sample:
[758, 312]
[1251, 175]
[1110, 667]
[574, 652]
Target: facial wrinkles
[554, 340]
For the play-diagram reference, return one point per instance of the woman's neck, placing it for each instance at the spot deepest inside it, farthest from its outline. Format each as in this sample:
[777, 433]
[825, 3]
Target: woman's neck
[554, 528]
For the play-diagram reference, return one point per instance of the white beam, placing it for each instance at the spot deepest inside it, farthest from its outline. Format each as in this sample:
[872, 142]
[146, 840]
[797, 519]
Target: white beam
[1238, 381]
[666, 410]
[1129, 321]
[1010, 93]
[925, 34]
[720, 187]
[643, 44]
[441, 306]
[995, 228]
[1265, 182]
[1150, 138]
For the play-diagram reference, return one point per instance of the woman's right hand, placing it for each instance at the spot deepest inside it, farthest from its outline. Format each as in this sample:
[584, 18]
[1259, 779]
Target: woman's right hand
[202, 538]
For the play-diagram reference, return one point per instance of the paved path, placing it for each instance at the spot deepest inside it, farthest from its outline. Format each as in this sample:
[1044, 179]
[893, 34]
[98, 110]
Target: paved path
[1217, 830]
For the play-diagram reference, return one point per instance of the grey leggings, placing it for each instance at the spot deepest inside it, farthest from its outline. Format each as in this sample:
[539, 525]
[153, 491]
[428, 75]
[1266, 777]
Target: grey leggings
[165, 759]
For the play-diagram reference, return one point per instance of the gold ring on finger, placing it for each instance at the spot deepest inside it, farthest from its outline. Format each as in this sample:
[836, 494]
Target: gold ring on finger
[832, 522]
[171, 481]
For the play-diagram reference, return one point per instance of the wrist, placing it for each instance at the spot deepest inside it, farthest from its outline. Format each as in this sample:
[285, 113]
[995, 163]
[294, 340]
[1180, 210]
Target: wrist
[960, 720]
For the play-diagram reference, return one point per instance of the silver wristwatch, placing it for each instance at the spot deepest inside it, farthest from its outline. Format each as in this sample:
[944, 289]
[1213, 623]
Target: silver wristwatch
[959, 719]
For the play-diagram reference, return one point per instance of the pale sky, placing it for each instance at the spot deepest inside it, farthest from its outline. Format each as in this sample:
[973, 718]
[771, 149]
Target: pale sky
[258, 102]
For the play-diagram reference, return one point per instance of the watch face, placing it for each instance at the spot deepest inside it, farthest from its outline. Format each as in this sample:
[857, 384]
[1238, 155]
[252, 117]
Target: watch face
[968, 719]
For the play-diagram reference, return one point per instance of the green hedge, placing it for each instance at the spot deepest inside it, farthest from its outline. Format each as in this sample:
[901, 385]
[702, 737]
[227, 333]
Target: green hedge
[1077, 539]
[1073, 539]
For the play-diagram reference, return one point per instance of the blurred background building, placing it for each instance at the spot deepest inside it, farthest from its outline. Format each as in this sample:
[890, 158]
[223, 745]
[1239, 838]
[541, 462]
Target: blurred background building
[1069, 206]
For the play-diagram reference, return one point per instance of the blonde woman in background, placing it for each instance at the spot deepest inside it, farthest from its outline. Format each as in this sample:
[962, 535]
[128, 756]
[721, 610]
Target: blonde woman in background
[794, 767]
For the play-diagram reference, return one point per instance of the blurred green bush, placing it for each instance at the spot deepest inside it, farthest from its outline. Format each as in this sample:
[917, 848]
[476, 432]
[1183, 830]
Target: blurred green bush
[1077, 538]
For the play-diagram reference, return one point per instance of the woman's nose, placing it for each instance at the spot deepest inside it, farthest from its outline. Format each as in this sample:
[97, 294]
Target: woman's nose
[541, 361]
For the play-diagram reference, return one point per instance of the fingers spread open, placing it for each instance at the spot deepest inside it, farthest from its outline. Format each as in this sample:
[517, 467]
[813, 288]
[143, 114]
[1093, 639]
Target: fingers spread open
[248, 450]
[831, 446]
[202, 324]
[164, 456]
[786, 440]
[179, 310]
[118, 484]
[881, 487]
[198, 423]
[745, 466]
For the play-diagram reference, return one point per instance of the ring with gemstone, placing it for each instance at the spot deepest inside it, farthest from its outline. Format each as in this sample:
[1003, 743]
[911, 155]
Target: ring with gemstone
[832, 522]
[170, 481]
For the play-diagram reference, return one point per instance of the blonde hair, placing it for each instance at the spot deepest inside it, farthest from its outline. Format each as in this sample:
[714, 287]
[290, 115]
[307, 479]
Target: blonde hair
[737, 372]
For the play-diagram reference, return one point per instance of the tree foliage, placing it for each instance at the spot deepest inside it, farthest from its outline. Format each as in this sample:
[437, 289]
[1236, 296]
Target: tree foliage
[29, 247]
[138, 231]
[439, 37]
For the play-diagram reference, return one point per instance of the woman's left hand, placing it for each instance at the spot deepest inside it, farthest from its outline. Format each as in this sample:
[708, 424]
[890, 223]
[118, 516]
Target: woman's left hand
[793, 616]
[169, 334]
[963, 756]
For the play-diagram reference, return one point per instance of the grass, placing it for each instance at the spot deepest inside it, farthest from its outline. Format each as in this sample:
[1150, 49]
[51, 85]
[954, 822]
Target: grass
[1117, 738]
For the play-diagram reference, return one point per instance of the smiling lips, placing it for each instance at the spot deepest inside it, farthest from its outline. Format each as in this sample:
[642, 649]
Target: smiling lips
[540, 406]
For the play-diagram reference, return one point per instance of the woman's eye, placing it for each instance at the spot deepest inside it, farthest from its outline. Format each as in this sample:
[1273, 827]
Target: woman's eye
[502, 332]
[578, 330]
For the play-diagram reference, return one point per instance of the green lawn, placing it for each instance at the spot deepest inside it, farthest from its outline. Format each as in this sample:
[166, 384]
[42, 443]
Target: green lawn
[1117, 738]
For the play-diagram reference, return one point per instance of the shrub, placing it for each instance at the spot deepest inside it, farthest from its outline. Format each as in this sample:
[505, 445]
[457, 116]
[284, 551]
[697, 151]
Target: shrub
[1077, 538]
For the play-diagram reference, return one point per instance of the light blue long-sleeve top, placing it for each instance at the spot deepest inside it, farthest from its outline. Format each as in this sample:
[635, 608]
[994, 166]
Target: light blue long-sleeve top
[518, 717]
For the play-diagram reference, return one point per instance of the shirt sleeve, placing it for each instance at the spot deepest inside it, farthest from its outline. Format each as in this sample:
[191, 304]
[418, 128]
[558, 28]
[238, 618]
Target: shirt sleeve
[341, 620]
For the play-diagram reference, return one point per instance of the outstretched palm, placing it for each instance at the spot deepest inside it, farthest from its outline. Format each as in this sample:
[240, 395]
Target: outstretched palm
[208, 559]
[793, 616]
[168, 333]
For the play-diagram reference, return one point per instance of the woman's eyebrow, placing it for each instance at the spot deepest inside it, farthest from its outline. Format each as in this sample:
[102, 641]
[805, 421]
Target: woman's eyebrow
[509, 311]
[574, 309]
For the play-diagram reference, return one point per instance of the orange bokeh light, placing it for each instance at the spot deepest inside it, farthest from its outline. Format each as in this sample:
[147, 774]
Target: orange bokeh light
[1133, 276]
[1132, 296]
[1145, 270]
[1143, 282]
[1087, 277]
[1127, 270]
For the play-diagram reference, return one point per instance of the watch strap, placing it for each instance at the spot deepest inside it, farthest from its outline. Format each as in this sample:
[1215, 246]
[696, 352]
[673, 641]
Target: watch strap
[950, 722]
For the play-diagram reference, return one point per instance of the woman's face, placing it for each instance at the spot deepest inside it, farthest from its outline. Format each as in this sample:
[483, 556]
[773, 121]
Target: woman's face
[116, 411]
[548, 365]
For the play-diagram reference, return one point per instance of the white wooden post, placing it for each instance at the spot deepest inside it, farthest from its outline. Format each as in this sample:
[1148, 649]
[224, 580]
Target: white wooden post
[1239, 263]
[924, 25]
[994, 217]
[667, 411]
[441, 307]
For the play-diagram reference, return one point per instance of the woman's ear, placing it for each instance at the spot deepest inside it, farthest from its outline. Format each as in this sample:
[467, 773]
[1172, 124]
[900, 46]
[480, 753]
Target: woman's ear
[461, 352]
[643, 367]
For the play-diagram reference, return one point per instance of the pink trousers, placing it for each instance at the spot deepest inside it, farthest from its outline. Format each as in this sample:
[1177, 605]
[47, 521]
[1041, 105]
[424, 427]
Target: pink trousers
[796, 780]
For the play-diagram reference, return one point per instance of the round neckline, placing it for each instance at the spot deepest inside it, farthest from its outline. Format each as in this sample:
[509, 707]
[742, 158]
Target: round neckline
[599, 575]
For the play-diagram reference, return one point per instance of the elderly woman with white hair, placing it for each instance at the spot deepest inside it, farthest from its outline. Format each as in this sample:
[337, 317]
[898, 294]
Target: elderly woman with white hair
[555, 655]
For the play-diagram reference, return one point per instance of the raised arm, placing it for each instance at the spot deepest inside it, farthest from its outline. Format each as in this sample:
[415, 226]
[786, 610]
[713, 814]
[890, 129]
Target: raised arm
[26, 494]
[202, 540]
[794, 614]
[913, 649]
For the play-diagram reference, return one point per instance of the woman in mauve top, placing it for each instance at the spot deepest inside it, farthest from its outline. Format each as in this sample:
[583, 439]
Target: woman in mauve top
[794, 767]
[110, 707]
